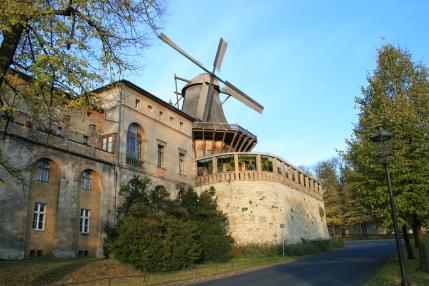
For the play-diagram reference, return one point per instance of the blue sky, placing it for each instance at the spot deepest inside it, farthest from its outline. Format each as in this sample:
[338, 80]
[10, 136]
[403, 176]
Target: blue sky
[305, 61]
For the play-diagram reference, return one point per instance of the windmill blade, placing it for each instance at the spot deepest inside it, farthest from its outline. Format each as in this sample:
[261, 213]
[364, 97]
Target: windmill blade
[241, 96]
[220, 54]
[169, 42]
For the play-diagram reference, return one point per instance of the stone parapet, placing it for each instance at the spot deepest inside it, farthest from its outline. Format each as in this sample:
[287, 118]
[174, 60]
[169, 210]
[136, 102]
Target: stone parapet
[56, 142]
[208, 173]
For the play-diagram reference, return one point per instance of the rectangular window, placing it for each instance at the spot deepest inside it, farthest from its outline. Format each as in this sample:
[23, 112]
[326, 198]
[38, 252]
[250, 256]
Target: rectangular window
[84, 221]
[59, 131]
[161, 115]
[39, 216]
[286, 171]
[86, 181]
[108, 144]
[171, 118]
[85, 140]
[279, 167]
[137, 104]
[160, 156]
[149, 107]
[181, 163]
[104, 144]
[43, 170]
[181, 126]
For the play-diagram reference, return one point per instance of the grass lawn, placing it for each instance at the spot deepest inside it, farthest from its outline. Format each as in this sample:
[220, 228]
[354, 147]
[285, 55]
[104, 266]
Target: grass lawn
[51, 271]
[47, 271]
[390, 275]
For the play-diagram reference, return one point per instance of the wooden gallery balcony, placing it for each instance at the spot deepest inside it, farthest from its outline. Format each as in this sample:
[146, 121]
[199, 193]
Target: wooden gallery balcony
[56, 142]
[215, 138]
[240, 166]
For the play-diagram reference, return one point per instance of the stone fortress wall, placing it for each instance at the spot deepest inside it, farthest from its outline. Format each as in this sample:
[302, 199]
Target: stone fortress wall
[264, 202]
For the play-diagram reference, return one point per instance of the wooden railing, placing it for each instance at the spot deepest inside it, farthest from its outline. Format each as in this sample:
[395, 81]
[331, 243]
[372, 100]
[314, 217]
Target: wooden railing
[223, 126]
[56, 142]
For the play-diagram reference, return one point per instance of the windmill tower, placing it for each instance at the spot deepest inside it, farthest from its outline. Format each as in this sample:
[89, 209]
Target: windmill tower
[201, 99]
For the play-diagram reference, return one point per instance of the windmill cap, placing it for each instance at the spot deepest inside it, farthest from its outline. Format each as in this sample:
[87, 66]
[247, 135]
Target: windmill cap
[200, 79]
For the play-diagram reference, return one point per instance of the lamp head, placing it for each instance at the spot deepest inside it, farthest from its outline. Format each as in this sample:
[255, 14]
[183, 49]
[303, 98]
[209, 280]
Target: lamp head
[384, 141]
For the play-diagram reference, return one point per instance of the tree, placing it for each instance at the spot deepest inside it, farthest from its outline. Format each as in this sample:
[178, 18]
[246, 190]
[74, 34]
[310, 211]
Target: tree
[53, 53]
[397, 96]
[156, 233]
[327, 173]
[343, 210]
[212, 224]
[69, 47]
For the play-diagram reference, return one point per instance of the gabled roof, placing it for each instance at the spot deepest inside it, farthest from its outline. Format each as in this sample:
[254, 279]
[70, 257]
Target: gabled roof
[145, 93]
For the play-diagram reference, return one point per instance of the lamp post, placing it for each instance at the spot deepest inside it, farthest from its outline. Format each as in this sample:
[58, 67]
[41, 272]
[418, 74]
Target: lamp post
[384, 142]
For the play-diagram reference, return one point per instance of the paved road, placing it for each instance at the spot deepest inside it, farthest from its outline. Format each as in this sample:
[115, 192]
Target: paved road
[349, 266]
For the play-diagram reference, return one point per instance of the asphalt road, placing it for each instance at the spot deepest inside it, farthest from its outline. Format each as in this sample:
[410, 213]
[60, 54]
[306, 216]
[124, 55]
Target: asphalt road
[351, 265]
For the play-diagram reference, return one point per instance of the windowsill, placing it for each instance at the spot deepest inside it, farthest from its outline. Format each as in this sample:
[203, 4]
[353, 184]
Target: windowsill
[38, 230]
[161, 168]
[84, 234]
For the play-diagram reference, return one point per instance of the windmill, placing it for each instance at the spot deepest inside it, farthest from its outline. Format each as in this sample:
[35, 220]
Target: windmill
[203, 102]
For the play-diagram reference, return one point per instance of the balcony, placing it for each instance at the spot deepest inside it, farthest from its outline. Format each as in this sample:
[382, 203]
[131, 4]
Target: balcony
[133, 162]
[56, 142]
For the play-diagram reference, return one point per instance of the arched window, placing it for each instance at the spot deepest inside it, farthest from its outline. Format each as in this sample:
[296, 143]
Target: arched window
[134, 142]
[86, 180]
[43, 170]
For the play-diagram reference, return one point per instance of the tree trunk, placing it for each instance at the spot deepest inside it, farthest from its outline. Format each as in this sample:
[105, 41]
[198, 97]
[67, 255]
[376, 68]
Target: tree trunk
[8, 48]
[419, 235]
[407, 242]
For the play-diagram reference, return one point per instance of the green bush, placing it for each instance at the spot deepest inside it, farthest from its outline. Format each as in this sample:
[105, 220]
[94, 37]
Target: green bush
[257, 250]
[216, 248]
[152, 245]
[157, 234]
[312, 247]
[305, 248]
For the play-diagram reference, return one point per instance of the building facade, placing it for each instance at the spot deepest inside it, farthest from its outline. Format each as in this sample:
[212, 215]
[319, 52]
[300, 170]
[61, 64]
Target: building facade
[67, 179]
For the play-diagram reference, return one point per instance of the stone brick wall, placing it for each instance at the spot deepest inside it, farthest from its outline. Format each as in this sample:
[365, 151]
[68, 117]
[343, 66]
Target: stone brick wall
[257, 209]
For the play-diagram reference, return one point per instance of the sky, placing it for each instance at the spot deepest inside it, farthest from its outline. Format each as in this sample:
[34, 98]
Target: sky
[304, 61]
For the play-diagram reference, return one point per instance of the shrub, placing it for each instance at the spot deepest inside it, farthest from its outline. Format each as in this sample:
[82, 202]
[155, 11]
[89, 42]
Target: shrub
[152, 245]
[305, 248]
[156, 233]
[216, 248]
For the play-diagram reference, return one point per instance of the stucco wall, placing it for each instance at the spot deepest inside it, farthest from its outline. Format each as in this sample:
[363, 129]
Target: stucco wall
[256, 209]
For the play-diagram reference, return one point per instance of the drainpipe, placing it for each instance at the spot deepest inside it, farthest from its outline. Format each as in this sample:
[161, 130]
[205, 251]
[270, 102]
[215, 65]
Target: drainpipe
[118, 156]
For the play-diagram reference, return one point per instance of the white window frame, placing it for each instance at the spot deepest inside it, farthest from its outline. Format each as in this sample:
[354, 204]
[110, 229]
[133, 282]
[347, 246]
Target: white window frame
[39, 212]
[161, 156]
[107, 144]
[181, 163]
[43, 170]
[84, 221]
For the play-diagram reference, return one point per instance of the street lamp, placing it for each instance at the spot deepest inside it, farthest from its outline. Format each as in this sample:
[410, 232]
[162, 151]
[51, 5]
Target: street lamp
[384, 142]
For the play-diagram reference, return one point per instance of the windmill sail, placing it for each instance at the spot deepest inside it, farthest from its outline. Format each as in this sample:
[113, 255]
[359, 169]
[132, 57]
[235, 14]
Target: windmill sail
[241, 96]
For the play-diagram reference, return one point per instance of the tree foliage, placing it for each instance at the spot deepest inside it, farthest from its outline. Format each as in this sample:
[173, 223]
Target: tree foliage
[397, 96]
[343, 209]
[156, 233]
[69, 47]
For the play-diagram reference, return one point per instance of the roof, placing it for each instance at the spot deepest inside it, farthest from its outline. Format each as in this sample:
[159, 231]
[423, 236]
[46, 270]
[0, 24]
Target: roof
[147, 94]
